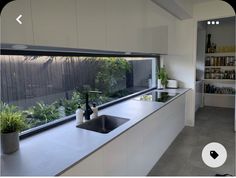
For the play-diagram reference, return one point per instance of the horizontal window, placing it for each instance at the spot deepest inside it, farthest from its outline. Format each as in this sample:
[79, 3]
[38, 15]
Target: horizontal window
[47, 88]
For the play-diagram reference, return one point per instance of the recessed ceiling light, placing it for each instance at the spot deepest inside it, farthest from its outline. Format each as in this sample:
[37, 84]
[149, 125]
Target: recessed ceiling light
[213, 22]
[217, 22]
[208, 22]
[19, 46]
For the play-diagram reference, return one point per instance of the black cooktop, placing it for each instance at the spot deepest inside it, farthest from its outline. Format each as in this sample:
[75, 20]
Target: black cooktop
[156, 96]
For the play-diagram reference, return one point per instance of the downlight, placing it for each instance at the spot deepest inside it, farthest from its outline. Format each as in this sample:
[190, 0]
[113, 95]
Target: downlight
[213, 22]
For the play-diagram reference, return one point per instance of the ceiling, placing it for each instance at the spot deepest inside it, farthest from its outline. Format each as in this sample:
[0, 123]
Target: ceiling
[182, 9]
[199, 1]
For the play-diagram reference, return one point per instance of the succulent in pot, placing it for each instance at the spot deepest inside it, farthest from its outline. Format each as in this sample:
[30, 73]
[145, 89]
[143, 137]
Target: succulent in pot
[11, 123]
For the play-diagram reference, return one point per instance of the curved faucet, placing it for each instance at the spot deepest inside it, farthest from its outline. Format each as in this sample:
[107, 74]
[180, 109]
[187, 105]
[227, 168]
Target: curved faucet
[88, 111]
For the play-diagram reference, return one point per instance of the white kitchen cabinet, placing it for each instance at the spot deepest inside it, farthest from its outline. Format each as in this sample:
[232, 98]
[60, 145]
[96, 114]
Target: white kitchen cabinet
[54, 23]
[115, 157]
[91, 165]
[157, 28]
[92, 24]
[125, 25]
[11, 30]
[136, 151]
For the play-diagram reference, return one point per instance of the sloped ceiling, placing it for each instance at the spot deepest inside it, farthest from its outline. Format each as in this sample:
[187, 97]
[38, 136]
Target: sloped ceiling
[182, 9]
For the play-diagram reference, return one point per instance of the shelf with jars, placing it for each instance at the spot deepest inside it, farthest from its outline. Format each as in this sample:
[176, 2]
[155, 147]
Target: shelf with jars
[219, 73]
[212, 60]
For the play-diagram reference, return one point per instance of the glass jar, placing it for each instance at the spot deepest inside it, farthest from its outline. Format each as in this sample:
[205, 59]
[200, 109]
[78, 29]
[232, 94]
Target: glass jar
[212, 61]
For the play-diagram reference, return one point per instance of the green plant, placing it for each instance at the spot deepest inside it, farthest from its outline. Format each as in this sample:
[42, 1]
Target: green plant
[7, 108]
[72, 104]
[163, 76]
[98, 98]
[43, 112]
[11, 119]
[112, 70]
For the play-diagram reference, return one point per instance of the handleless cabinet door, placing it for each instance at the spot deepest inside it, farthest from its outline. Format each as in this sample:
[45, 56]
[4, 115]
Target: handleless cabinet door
[11, 30]
[92, 20]
[54, 22]
[125, 25]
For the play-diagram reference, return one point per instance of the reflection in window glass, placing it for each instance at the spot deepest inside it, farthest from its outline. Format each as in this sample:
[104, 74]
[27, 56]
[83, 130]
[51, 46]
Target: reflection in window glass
[46, 88]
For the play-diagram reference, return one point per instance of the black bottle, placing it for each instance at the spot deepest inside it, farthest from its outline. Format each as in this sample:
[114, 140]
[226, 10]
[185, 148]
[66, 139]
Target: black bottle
[208, 46]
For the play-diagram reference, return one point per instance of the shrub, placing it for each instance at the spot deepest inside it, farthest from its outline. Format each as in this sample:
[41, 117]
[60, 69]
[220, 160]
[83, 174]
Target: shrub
[112, 71]
[11, 119]
[44, 113]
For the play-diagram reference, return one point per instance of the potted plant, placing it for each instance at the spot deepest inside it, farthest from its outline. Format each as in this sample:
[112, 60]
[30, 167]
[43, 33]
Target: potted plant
[162, 78]
[11, 123]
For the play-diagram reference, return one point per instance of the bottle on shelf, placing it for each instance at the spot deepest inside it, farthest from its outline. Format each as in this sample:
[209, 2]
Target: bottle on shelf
[218, 90]
[208, 46]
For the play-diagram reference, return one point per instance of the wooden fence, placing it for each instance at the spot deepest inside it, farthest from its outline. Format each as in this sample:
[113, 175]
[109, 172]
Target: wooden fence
[27, 79]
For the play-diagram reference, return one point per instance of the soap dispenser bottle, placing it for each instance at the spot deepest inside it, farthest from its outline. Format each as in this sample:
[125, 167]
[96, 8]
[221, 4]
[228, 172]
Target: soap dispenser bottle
[95, 111]
[79, 116]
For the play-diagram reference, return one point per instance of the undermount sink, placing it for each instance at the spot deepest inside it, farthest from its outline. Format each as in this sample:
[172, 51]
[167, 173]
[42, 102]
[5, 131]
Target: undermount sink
[103, 124]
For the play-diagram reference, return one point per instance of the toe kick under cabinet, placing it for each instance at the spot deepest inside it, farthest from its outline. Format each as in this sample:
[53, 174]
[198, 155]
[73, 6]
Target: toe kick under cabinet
[136, 151]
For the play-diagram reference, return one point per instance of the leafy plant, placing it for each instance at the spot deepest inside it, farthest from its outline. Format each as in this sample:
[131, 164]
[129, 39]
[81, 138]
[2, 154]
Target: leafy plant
[98, 98]
[112, 70]
[72, 104]
[44, 113]
[11, 119]
[163, 76]
[7, 108]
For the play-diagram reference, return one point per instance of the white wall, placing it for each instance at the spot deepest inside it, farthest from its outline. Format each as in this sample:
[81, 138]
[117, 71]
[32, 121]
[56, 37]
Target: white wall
[181, 60]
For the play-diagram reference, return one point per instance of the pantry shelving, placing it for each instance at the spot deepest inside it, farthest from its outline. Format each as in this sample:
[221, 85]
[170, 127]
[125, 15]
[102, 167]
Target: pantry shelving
[219, 80]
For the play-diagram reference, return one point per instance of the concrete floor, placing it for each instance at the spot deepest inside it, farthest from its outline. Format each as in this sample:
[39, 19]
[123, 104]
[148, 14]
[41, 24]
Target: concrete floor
[183, 157]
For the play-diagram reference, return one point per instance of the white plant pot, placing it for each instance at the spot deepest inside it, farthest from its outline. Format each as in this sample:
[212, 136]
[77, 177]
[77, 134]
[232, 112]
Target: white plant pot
[9, 142]
[159, 85]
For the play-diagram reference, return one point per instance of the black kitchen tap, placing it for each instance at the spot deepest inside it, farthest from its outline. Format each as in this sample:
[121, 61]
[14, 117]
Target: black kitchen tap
[88, 111]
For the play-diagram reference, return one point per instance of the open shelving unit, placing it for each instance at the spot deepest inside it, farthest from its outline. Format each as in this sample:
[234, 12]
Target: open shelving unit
[218, 99]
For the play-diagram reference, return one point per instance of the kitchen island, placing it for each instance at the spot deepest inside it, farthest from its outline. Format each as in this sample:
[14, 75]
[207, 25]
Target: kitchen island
[131, 149]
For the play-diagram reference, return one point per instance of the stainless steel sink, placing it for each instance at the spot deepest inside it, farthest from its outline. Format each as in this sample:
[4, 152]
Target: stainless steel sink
[103, 124]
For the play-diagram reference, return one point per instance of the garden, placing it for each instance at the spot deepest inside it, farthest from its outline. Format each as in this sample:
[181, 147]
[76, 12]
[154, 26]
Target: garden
[110, 80]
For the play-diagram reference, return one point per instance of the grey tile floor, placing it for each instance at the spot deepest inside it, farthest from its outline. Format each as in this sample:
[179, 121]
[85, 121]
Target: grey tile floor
[183, 157]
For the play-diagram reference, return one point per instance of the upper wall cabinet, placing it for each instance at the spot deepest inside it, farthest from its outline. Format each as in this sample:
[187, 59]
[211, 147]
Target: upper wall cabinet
[125, 25]
[157, 28]
[54, 22]
[11, 30]
[92, 24]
